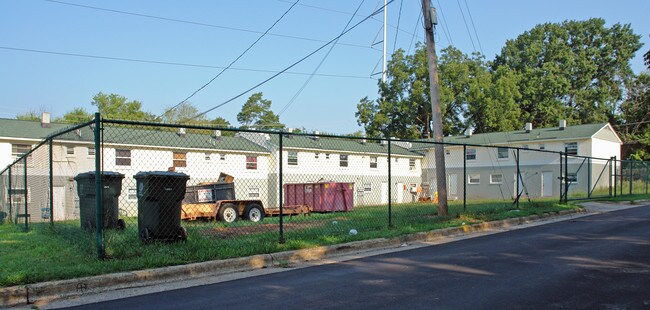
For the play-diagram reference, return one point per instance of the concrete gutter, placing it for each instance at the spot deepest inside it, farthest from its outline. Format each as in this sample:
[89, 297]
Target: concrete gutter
[58, 290]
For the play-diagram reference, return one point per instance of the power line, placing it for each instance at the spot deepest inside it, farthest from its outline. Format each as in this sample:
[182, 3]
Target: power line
[295, 96]
[473, 26]
[445, 27]
[466, 26]
[399, 17]
[169, 63]
[236, 59]
[196, 23]
[292, 65]
[417, 23]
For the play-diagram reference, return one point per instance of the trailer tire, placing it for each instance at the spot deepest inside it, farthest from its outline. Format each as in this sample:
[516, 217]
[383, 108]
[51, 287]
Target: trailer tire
[228, 213]
[254, 213]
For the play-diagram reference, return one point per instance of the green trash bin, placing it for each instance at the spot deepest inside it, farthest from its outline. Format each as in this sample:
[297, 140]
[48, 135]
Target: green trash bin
[160, 196]
[112, 188]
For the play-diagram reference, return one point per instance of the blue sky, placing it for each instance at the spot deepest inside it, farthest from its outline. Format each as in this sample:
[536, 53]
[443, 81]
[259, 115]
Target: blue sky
[221, 30]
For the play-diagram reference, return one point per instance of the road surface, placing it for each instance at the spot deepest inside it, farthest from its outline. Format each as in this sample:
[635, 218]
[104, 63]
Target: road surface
[594, 262]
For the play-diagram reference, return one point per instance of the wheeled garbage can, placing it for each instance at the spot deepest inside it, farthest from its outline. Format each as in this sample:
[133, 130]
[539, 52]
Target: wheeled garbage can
[160, 196]
[111, 190]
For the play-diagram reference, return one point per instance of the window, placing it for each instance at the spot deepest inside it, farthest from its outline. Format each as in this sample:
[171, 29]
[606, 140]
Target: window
[367, 187]
[292, 158]
[502, 153]
[316, 155]
[327, 156]
[253, 192]
[343, 160]
[572, 177]
[91, 151]
[132, 194]
[18, 196]
[471, 154]
[69, 150]
[373, 162]
[542, 146]
[411, 164]
[474, 179]
[180, 159]
[251, 162]
[447, 152]
[571, 148]
[123, 157]
[18, 150]
[207, 156]
[222, 156]
[496, 178]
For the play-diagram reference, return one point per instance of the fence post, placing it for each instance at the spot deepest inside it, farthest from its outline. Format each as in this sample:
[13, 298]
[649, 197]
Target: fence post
[646, 177]
[615, 177]
[517, 179]
[26, 194]
[566, 175]
[588, 177]
[464, 178]
[631, 167]
[609, 182]
[51, 183]
[11, 205]
[390, 185]
[561, 178]
[281, 240]
[99, 210]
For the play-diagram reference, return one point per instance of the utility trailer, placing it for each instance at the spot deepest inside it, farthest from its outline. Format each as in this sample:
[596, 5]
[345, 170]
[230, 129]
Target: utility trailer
[216, 201]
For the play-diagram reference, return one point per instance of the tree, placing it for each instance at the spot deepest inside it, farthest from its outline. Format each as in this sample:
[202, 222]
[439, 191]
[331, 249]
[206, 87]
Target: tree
[183, 113]
[29, 116]
[76, 116]
[117, 107]
[487, 99]
[574, 70]
[256, 112]
[635, 112]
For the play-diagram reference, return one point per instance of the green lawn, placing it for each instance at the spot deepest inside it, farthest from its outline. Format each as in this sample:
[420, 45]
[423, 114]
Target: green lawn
[65, 251]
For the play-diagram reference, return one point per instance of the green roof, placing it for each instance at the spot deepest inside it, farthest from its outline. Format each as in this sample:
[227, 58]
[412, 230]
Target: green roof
[129, 135]
[339, 144]
[521, 136]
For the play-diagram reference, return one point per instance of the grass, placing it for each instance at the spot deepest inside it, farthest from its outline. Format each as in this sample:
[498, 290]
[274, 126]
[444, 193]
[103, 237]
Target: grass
[65, 251]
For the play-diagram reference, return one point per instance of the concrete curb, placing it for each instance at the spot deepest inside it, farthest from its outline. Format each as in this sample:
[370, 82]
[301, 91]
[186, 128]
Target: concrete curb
[57, 290]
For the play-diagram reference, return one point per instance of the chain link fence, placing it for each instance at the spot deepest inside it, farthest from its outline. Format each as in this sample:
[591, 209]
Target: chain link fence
[120, 189]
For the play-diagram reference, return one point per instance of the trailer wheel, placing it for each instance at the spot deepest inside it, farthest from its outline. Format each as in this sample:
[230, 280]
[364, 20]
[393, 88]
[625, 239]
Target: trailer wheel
[145, 235]
[228, 213]
[120, 224]
[182, 234]
[254, 213]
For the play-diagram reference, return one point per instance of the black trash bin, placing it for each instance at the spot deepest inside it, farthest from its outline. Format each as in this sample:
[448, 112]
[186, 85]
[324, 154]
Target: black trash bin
[112, 188]
[160, 196]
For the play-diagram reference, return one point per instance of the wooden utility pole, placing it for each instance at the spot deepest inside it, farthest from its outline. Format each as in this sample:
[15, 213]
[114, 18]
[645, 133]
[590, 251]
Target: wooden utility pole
[430, 20]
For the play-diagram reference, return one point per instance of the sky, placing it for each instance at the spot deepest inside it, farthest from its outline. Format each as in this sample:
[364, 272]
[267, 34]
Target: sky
[160, 52]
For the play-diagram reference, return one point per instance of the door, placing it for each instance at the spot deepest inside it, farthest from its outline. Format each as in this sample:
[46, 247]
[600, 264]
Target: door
[58, 193]
[547, 183]
[399, 191]
[384, 193]
[452, 185]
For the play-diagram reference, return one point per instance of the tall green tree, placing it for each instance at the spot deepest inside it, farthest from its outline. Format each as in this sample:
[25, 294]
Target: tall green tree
[635, 112]
[119, 107]
[574, 70]
[76, 116]
[29, 116]
[470, 94]
[256, 112]
[183, 113]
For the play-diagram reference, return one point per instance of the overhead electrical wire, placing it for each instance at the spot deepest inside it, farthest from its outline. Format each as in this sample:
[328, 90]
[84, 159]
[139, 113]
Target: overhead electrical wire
[445, 25]
[399, 17]
[466, 26]
[169, 63]
[292, 65]
[235, 60]
[417, 24]
[295, 96]
[196, 23]
[473, 26]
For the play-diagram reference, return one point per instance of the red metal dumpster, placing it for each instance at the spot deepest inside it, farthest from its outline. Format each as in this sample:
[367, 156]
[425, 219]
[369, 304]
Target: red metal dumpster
[321, 197]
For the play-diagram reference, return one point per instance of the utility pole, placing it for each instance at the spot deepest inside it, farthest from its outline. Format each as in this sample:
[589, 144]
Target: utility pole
[383, 67]
[430, 20]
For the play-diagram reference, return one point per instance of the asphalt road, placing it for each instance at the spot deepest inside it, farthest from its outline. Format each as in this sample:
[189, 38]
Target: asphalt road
[595, 262]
